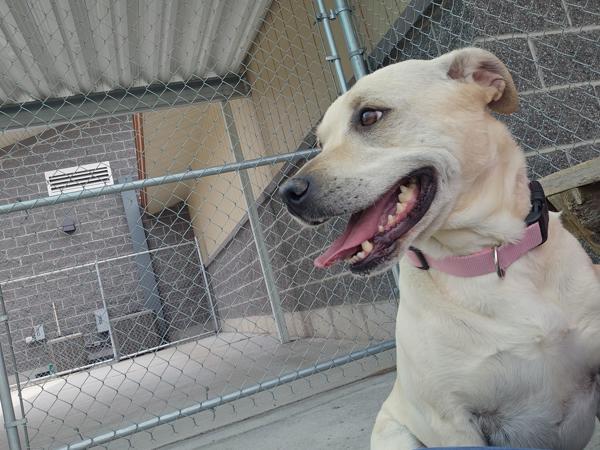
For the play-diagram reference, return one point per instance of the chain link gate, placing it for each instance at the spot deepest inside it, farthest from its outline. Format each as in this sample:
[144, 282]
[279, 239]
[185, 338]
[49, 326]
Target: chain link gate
[153, 286]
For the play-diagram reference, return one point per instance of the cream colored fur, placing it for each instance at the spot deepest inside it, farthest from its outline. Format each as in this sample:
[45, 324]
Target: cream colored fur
[483, 360]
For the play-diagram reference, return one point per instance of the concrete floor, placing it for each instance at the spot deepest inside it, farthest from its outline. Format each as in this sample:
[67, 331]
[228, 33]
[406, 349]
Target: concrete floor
[339, 419]
[104, 398]
[332, 410]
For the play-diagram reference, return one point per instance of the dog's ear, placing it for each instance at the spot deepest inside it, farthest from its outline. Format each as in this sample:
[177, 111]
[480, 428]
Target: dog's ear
[474, 65]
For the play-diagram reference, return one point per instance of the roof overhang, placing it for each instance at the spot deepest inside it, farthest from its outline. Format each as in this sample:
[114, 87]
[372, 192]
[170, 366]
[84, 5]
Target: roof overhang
[121, 101]
[64, 61]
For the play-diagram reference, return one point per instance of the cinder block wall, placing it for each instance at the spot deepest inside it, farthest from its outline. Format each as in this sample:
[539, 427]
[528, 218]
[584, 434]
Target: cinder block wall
[551, 47]
[32, 242]
[178, 272]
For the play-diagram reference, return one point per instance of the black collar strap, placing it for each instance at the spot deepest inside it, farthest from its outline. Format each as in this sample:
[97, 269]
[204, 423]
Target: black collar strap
[539, 209]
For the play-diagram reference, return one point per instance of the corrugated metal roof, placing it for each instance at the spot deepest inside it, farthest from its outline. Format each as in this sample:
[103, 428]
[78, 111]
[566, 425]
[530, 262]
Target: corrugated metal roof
[60, 48]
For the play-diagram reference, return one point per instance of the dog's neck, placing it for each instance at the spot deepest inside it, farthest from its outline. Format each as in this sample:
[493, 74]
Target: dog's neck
[492, 206]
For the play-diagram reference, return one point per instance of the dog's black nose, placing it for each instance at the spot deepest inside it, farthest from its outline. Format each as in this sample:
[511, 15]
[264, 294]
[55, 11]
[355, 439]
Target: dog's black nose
[294, 191]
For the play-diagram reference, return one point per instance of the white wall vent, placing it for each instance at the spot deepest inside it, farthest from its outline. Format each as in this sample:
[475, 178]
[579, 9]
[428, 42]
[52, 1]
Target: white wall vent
[78, 178]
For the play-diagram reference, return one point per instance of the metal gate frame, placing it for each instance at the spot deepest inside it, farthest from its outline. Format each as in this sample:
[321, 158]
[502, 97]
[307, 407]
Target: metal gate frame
[162, 98]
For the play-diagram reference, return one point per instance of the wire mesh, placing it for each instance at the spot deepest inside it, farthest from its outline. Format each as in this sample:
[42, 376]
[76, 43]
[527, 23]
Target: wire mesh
[551, 48]
[134, 304]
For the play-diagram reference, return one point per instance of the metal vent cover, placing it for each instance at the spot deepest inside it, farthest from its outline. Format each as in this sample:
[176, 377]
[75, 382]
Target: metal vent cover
[78, 178]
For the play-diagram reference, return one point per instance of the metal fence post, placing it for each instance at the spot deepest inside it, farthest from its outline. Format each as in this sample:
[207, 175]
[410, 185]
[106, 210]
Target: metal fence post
[113, 344]
[213, 311]
[259, 238]
[8, 412]
[359, 67]
[10, 422]
[156, 181]
[143, 261]
[343, 11]
[396, 275]
[325, 18]
[9, 341]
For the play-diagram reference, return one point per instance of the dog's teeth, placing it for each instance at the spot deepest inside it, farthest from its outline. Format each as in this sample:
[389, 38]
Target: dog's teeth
[361, 255]
[405, 195]
[400, 207]
[367, 246]
[404, 191]
[380, 228]
[390, 220]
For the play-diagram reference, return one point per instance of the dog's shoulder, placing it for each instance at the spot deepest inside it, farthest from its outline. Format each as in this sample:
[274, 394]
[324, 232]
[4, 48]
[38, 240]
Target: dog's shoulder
[567, 268]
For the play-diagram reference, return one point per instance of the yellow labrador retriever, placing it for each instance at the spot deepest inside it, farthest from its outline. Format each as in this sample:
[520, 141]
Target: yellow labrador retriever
[498, 328]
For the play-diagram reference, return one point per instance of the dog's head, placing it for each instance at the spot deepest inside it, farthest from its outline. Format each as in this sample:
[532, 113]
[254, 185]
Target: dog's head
[399, 150]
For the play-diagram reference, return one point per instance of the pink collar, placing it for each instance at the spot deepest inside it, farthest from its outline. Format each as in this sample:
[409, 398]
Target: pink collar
[490, 260]
[496, 259]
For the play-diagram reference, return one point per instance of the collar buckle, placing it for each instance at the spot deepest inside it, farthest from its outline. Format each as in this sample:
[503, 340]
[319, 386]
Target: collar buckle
[499, 270]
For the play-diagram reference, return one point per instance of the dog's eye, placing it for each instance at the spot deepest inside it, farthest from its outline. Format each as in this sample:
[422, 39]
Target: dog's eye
[369, 117]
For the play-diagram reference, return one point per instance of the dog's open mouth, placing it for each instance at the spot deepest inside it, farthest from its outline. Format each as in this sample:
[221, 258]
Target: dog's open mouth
[372, 234]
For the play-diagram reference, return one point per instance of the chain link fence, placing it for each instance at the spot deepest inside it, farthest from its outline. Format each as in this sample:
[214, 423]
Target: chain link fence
[551, 48]
[153, 285]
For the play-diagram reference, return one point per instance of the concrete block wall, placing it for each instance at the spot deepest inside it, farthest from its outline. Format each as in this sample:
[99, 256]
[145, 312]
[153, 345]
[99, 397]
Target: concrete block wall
[551, 47]
[178, 272]
[32, 243]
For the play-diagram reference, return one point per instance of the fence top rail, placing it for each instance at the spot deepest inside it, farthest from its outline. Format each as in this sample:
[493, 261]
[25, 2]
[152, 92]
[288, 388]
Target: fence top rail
[93, 263]
[156, 181]
[46, 378]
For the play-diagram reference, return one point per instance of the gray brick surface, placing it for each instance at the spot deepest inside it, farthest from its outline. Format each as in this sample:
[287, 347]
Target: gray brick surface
[492, 17]
[33, 242]
[584, 12]
[556, 118]
[178, 272]
[570, 57]
[516, 54]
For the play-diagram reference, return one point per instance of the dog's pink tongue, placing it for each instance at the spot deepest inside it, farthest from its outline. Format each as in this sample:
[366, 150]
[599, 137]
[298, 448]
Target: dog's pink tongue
[362, 226]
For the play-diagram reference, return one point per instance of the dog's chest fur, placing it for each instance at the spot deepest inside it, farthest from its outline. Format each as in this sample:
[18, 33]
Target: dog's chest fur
[539, 395]
[520, 372]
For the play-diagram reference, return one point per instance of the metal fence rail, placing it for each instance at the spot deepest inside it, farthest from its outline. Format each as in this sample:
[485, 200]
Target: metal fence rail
[150, 276]
[321, 366]
[156, 181]
[99, 268]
